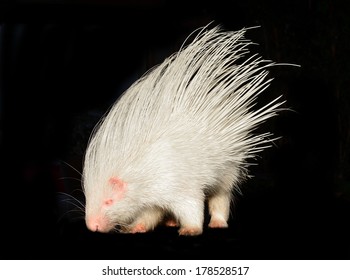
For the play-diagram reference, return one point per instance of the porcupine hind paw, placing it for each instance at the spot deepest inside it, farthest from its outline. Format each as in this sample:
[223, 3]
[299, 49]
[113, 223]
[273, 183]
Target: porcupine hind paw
[190, 217]
[219, 209]
[217, 223]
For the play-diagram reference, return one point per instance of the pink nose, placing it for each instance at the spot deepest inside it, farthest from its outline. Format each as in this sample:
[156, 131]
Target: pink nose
[97, 224]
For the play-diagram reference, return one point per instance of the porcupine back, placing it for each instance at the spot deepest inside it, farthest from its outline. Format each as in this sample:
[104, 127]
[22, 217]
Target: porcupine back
[189, 118]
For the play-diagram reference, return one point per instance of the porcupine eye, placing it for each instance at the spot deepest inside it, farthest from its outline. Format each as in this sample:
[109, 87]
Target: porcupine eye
[108, 202]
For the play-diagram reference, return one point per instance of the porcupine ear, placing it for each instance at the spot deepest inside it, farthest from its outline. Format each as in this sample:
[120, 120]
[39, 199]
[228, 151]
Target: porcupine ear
[118, 190]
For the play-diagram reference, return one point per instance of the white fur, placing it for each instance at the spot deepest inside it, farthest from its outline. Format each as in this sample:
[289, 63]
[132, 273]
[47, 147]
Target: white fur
[182, 131]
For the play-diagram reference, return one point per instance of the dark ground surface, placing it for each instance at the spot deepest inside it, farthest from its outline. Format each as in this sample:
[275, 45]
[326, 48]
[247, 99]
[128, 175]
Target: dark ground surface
[62, 65]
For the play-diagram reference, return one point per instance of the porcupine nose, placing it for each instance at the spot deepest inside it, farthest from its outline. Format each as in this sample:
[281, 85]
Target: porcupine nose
[96, 224]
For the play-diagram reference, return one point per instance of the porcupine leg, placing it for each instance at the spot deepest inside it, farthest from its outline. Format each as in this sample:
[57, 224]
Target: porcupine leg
[190, 214]
[147, 221]
[220, 202]
[219, 209]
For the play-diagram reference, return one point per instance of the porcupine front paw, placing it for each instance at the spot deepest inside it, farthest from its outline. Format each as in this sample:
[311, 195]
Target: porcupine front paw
[138, 228]
[147, 221]
[141, 227]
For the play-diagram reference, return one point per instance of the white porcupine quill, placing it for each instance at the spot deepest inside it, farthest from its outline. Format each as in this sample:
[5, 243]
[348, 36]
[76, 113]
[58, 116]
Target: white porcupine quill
[182, 131]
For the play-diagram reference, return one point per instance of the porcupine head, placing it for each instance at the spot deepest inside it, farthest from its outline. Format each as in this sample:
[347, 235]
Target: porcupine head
[179, 137]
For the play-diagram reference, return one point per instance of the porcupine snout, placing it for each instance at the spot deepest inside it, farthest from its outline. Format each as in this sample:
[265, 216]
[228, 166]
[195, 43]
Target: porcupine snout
[98, 223]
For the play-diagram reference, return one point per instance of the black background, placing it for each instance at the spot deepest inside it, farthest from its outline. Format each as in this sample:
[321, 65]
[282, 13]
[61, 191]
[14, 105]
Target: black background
[64, 63]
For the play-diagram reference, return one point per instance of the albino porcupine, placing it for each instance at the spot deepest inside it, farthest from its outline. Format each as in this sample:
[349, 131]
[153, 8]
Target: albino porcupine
[181, 134]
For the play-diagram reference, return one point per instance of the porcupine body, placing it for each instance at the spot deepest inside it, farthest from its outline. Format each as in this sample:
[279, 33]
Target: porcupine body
[181, 135]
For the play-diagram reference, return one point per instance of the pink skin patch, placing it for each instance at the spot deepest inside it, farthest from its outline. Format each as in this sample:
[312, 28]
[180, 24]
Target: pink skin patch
[119, 189]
